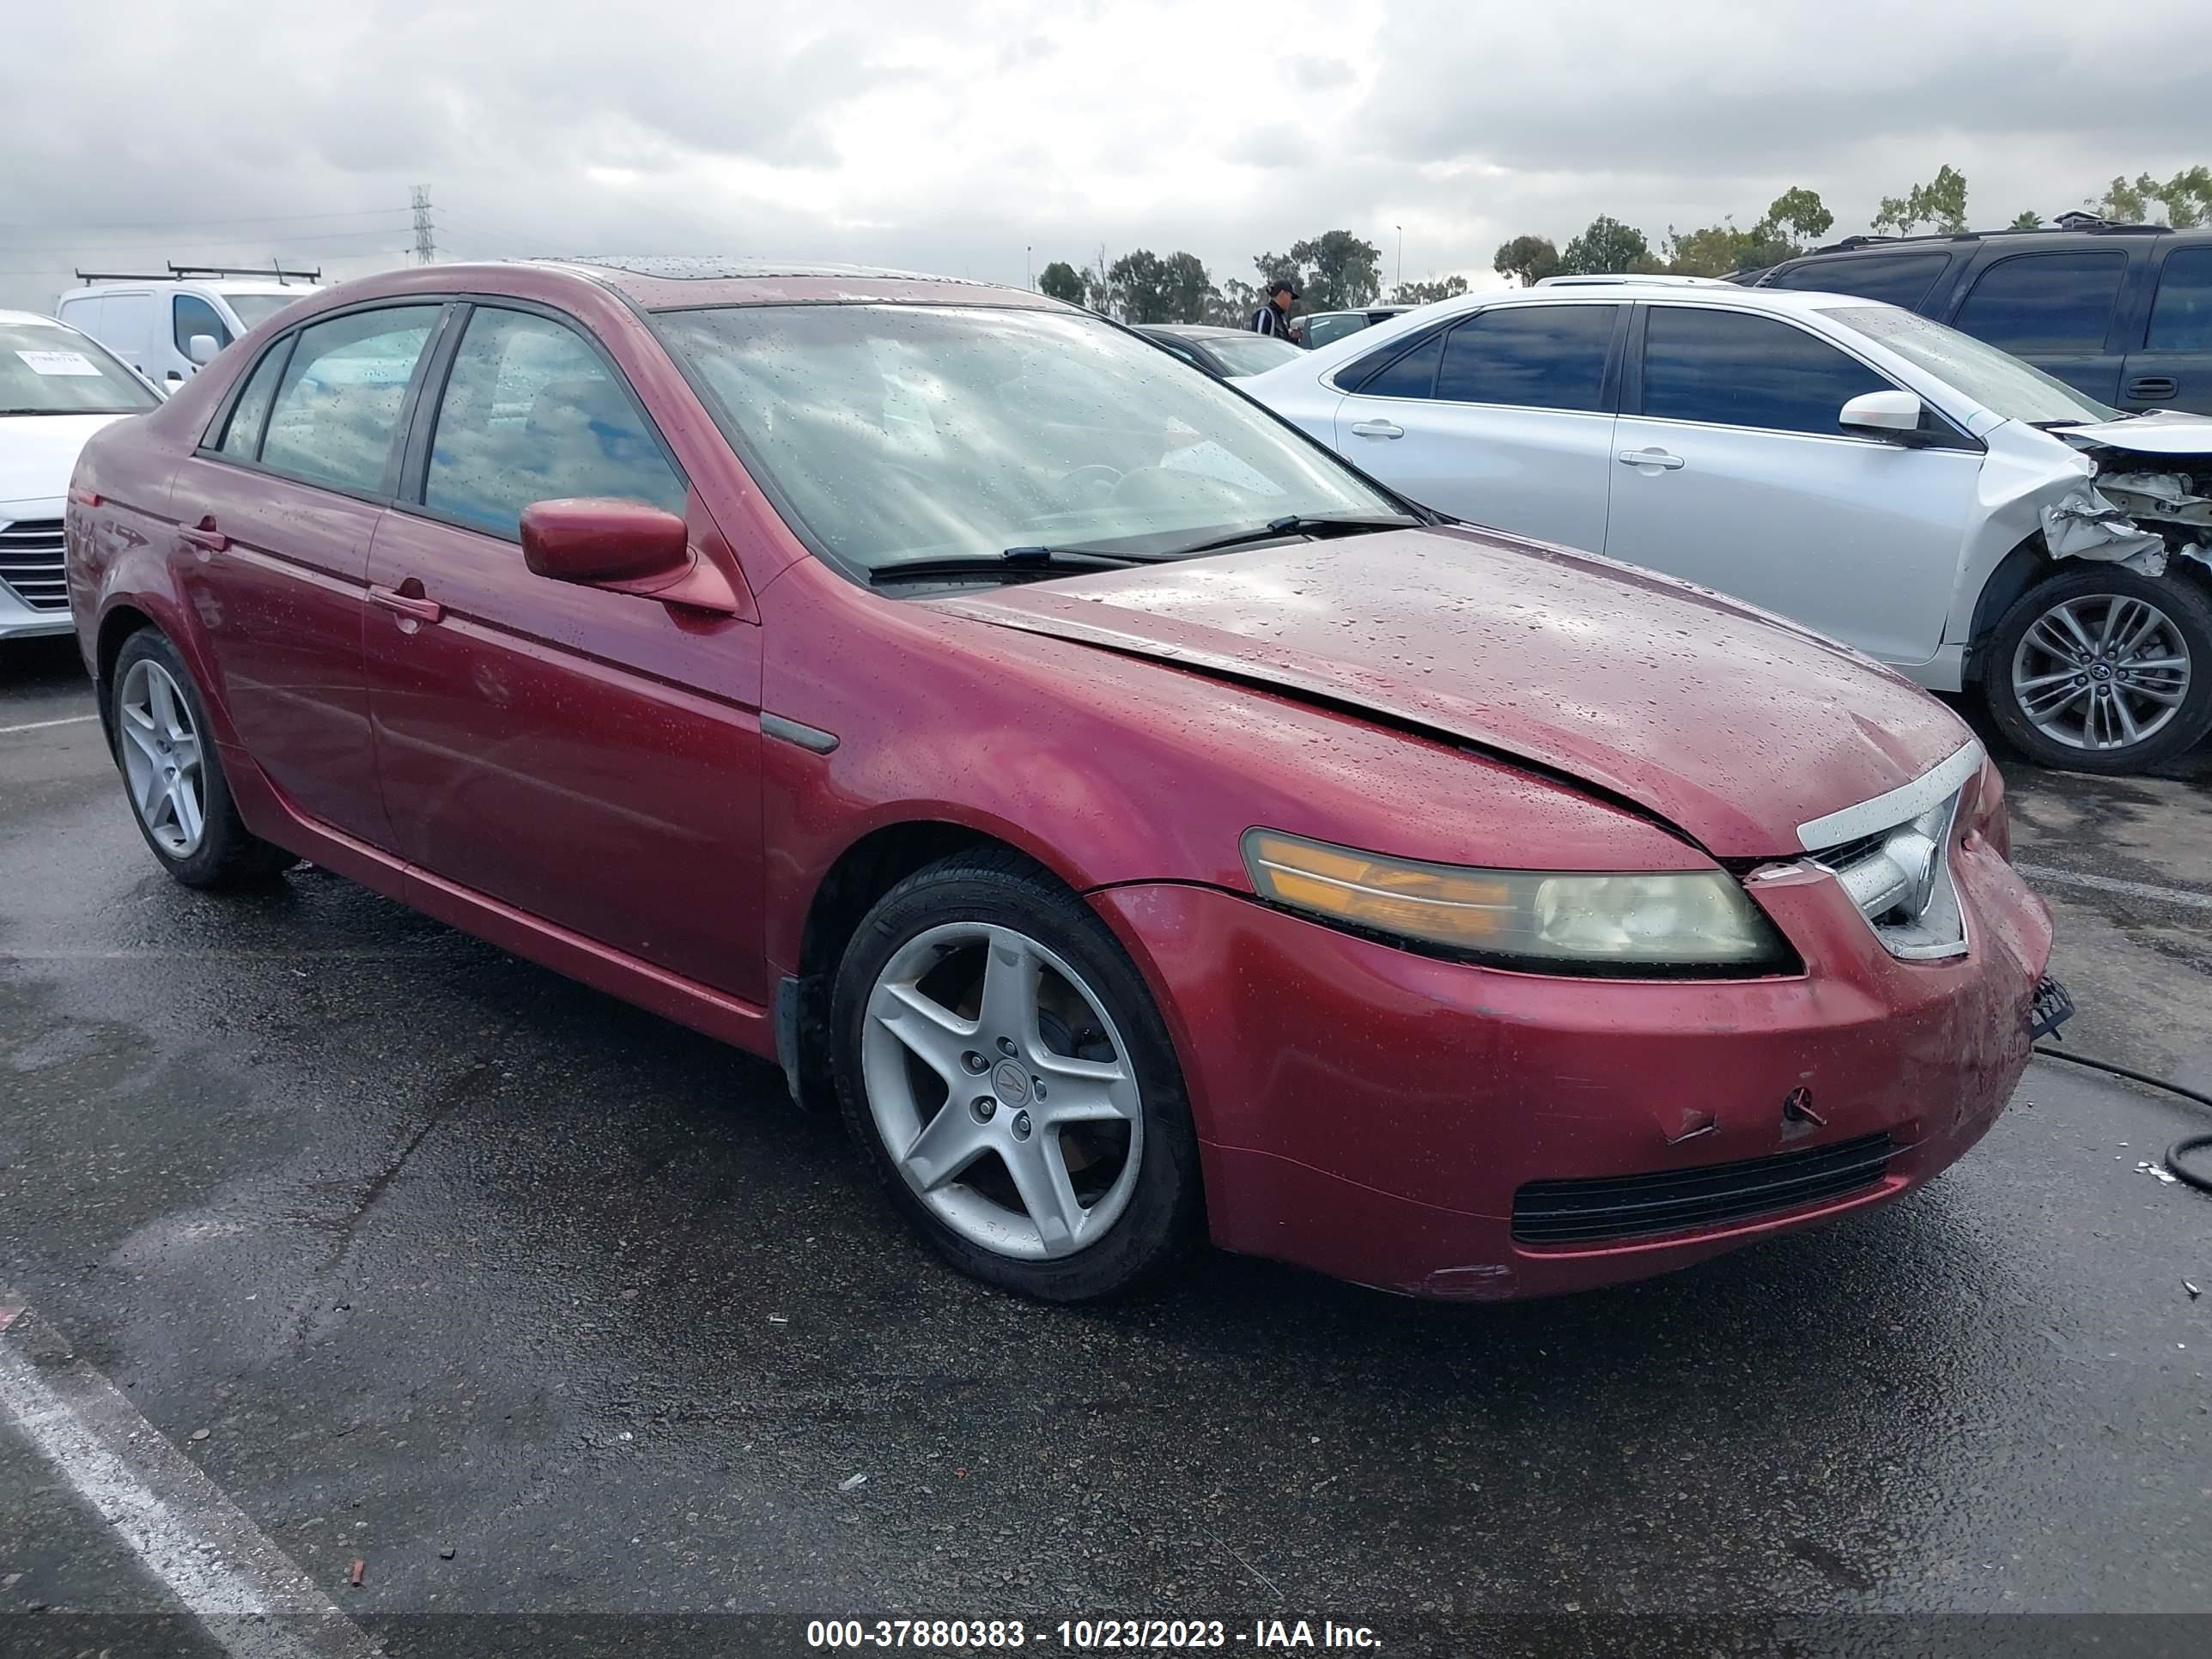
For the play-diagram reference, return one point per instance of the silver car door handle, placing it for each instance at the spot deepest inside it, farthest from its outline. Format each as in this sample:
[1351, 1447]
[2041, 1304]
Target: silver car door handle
[1658, 457]
[1377, 429]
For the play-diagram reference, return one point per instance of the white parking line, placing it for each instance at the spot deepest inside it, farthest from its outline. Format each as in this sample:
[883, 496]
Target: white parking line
[241, 1588]
[2180, 896]
[46, 726]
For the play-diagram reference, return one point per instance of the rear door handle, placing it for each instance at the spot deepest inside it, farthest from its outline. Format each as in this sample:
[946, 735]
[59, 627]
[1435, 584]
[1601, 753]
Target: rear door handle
[1377, 429]
[1658, 457]
[409, 607]
[2153, 386]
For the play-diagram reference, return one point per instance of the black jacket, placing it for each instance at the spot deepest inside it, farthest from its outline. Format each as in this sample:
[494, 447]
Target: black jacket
[1271, 318]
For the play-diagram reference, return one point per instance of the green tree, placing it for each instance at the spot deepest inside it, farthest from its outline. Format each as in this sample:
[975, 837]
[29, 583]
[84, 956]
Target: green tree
[2184, 200]
[1235, 304]
[1940, 203]
[1798, 211]
[1344, 271]
[1278, 268]
[1427, 293]
[1189, 290]
[2030, 220]
[1606, 246]
[1527, 259]
[1062, 281]
[1136, 287]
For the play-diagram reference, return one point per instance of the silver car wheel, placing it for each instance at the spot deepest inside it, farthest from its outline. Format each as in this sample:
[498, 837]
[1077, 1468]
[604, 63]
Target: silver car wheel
[1002, 1090]
[161, 758]
[2106, 671]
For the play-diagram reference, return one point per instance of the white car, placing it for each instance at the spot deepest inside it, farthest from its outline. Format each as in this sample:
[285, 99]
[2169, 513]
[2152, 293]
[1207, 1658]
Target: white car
[57, 389]
[1941, 506]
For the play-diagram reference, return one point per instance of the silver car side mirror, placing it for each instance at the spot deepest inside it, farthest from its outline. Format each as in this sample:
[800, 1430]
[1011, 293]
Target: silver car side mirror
[1883, 414]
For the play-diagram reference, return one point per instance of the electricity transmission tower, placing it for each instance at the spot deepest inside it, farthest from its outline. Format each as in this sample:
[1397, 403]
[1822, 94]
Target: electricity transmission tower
[426, 243]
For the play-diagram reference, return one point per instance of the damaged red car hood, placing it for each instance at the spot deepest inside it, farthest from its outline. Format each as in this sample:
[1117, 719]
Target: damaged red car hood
[1732, 725]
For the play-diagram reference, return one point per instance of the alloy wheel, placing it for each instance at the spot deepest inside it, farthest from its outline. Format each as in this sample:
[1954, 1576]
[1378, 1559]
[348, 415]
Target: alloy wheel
[161, 758]
[2102, 671]
[1002, 1090]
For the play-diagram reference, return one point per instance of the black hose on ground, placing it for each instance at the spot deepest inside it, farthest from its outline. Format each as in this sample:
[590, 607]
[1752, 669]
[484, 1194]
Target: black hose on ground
[2177, 1155]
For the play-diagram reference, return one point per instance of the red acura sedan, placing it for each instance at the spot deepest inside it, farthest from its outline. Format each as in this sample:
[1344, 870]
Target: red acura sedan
[1143, 826]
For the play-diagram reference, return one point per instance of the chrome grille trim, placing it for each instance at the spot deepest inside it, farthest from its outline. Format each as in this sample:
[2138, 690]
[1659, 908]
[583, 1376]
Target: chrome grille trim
[32, 562]
[1899, 877]
[1884, 812]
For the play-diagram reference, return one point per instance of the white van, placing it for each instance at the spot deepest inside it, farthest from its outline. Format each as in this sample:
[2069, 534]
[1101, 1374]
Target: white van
[151, 322]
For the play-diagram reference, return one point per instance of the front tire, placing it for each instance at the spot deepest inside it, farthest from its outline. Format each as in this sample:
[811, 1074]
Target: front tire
[1002, 1068]
[2103, 669]
[180, 797]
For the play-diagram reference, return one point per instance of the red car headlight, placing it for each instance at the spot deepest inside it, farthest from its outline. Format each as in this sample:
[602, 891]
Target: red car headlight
[1668, 923]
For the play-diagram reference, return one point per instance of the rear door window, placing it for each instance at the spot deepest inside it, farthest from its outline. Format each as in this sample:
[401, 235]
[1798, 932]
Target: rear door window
[2045, 302]
[2181, 317]
[1731, 369]
[1536, 356]
[532, 413]
[338, 406]
[1897, 279]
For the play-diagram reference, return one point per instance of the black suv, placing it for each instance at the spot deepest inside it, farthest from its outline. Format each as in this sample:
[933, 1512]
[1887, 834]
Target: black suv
[2123, 312]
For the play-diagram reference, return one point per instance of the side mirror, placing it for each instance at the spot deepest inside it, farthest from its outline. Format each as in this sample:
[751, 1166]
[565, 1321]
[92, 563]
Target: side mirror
[624, 547]
[202, 348]
[1894, 414]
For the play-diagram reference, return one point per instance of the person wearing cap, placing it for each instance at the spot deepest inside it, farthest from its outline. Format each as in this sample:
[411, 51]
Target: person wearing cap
[1275, 316]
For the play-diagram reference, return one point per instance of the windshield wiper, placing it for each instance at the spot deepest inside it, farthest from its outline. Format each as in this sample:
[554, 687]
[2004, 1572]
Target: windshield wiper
[1295, 524]
[1015, 560]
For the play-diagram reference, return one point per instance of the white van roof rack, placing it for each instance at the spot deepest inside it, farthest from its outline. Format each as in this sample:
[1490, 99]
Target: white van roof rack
[177, 273]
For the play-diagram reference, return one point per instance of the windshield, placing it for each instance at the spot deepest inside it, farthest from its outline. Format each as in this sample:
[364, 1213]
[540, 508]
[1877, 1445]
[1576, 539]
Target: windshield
[255, 309]
[900, 433]
[1996, 379]
[48, 369]
[1252, 354]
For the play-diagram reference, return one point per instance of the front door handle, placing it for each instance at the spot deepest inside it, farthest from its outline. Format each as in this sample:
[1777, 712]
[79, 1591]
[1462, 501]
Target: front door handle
[203, 535]
[410, 607]
[1377, 429]
[2149, 386]
[1656, 458]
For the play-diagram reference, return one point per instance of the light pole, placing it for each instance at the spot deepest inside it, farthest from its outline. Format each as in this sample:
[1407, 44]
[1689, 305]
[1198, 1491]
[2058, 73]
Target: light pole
[1029, 265]
[1401, 255]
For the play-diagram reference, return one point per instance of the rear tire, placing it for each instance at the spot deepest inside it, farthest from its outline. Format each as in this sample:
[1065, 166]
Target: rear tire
[173, 776]
[1002, 1068]
[2082, 661]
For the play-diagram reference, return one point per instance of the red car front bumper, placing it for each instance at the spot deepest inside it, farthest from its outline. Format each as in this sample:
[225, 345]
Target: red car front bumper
[1372, 1113]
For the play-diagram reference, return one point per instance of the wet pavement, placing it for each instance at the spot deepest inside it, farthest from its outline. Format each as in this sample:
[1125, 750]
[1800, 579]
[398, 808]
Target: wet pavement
[532, 1303]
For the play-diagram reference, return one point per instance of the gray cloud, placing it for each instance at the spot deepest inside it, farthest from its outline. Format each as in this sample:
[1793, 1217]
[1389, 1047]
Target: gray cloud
[959, 135]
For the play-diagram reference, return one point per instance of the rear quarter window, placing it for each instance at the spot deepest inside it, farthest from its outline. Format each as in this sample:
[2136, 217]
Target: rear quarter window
[2181, 317]
[2045, 302]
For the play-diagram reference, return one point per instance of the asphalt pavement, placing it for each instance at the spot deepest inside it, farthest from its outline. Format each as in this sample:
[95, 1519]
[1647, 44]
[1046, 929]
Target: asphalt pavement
[535, 1306]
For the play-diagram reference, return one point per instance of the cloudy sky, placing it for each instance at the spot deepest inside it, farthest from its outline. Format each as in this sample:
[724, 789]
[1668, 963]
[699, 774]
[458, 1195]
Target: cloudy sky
[957, 135]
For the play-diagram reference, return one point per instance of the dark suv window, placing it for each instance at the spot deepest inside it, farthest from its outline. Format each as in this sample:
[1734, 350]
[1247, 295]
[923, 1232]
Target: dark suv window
[2181, 320]
[2045, 301]
[339, 402]
[189, 314]
[1538, 356]
[1899, 279]
[532, 413]
[1732, 369]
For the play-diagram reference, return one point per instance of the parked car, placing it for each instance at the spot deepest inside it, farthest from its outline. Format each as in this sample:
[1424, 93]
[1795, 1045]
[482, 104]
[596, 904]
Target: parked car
[1227, 353]
[2121, 313]
[1319, 328]
[1889, 481]
[151, 322]
[1143, 824]
[57, 389]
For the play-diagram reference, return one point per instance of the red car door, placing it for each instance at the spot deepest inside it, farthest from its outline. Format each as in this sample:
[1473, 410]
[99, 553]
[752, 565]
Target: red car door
[277, 509]
[586, 757]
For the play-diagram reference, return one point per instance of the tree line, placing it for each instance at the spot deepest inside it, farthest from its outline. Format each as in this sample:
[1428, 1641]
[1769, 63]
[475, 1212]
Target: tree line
[1796, 220]
[1335, 270]
[1339, 271]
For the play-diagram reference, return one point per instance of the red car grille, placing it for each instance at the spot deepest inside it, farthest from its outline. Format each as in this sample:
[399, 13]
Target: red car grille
[1636, 1206]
